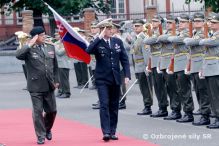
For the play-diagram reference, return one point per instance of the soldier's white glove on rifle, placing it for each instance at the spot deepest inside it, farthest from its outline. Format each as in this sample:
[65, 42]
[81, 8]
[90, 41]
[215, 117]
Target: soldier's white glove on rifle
[200, 74]
[169, 72]
[187, 72]
[159, 71]
[147, 71]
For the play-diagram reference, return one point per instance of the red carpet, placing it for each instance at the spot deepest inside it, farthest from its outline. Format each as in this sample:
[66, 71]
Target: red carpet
[16, 129]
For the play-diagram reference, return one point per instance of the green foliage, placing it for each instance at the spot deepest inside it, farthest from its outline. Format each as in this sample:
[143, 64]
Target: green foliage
[214, 4]
[63, 7]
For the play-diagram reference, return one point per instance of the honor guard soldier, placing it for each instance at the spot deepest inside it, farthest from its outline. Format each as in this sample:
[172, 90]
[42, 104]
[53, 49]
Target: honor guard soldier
[81, 70]
[94, 33]
[210, 68]
[145, 84]
[197, 57]
[116, 33]
[42, 79]
[164, 62]
[180, 61]
[109, 53]
[94, 30]
[155, 49]
[64, 64]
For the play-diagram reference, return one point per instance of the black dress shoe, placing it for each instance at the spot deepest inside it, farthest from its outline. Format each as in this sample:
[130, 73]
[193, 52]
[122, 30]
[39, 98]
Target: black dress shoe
[204, 120]
[64, 96]
[106, 137]
[186, 118]
[122, 105]
[114, 137]
[173, 116]
[94, 104]
[214, 125]
[96, 107]
[198, 112]
[145, 111]
[160, 113]
[49, 135]
[40, 140]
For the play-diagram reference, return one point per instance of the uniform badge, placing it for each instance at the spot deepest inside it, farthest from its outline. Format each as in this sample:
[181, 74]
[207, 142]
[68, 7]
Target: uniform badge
[35, 55]
[117, 47]
[51, 53]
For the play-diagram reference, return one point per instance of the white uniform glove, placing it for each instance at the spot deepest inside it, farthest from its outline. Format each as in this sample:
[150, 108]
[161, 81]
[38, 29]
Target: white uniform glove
[159, 71]
[147, 70]
[200, 74]
[187, 72]
[169, 72]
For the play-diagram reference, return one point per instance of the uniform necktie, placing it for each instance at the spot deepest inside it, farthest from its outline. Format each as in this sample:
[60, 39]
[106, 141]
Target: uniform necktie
[108, 44]
[41, 48]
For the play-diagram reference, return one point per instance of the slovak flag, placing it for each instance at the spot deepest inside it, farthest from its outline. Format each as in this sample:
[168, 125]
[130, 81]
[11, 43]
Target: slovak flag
[73, 42]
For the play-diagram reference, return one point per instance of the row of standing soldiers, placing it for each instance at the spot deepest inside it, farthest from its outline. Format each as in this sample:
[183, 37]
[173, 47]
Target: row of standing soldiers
[168, 60]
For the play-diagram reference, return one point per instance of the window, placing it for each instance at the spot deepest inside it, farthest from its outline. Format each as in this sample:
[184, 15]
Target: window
[118, 9]
[151, 3]
[9, 19]
[19, 18]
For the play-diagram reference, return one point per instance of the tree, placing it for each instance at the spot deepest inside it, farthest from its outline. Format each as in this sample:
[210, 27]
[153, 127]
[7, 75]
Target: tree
[63, 7]
[213, 4]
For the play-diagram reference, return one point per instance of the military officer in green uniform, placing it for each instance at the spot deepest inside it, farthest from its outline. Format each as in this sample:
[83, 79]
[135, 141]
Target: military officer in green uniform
[42, 79]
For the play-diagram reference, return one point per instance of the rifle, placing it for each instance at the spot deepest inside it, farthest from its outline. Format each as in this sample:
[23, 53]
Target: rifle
[171, 66]
[149, 61]
[205, 30]
[188, 66]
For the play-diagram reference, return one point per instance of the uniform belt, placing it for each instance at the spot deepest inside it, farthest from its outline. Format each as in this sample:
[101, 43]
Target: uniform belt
[180, 54]
[166, 54]
[197, 55]
[156, 53]
[212, 58]
[139, 60]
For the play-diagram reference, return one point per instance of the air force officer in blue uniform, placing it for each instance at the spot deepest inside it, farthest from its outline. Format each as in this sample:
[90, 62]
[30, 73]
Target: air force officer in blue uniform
[109, 53]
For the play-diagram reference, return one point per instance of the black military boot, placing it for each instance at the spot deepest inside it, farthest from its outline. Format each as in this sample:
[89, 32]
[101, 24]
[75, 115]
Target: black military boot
[188, 117]
[145, 111]
[173, 116]
[214, 125]
[160, 113]
[204, 120]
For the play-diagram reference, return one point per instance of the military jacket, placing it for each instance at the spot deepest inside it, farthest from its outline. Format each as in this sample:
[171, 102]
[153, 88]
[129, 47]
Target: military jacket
[42, 67]
[155, 47]
[166, 50]
[211, 59]
[181, 51]
[196, 51]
